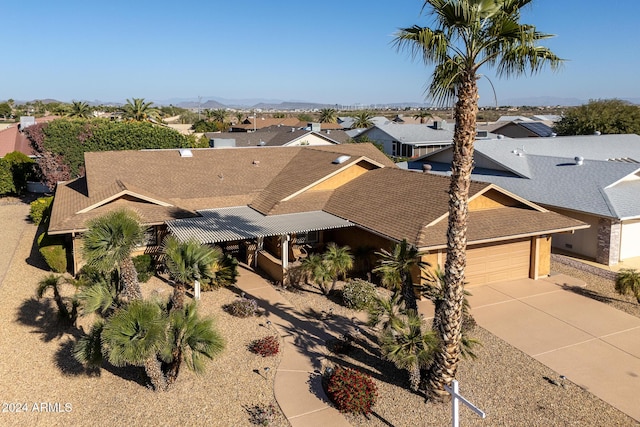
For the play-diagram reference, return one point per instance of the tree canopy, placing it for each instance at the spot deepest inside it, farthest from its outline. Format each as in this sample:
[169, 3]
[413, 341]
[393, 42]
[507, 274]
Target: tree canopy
[61, 143]
[607, 116]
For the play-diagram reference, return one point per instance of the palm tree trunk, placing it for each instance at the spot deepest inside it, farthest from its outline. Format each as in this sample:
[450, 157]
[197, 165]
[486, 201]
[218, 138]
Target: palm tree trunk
[408, 293]
[179, 293]
[129, 278]
[449, 316]
[153, 368]
[173, 367]
[414, 377]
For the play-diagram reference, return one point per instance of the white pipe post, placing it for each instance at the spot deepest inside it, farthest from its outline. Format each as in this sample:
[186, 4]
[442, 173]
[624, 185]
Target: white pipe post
[455, 405]
[196, 286]
[456, 398]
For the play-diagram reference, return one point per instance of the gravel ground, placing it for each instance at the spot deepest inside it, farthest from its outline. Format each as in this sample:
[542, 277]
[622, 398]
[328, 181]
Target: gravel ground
[509, 386]
[36, 368]
[36, 365]
[599, 288]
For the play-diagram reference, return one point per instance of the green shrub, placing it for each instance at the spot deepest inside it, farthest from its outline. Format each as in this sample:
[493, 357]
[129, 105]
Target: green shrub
[40, 209]
[22, 169]
[352, 391]
[358, 294]
[267, 346]
[226, 272]
[242, 307]
[145, 267]
[7, 185]
[53, 251]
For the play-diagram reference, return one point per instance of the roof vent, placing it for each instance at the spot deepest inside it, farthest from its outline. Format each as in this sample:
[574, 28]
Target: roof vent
[426, 168]
[597, 133]
[185, 152]
[341, 160]
[256, 163]
[579, 160]
[261, 143]
[500, 136]
[553, 134]
[293, 129]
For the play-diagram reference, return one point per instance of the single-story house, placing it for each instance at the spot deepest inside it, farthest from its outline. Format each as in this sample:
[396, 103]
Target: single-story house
[261, 204]
[520, 129]
[406, 140]
[277, 136]
[592, 178]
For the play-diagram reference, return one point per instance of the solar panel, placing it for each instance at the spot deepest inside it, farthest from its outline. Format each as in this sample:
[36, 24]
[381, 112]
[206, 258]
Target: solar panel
[538, 128]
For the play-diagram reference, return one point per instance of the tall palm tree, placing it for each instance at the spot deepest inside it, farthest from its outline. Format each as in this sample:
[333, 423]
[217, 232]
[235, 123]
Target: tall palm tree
[190, 339]
[80, 109]
[137, 110]
[134, 336]
[338, 261]
[422, 115]
[187, 262]
[108, 243]
[219, 115]
[395, 268]
[409, 345]
[327, 115]
[465, 35]
[362, 120]
[628, 282]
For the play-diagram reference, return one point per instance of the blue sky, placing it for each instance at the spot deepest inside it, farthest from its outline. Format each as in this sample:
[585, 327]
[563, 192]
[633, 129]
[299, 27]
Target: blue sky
[336, 52]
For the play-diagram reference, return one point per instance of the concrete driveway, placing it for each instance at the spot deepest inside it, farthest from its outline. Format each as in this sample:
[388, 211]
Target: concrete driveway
[592, 344]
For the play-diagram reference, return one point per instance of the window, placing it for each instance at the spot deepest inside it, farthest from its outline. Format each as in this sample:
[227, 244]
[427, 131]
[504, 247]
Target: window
[150, 237]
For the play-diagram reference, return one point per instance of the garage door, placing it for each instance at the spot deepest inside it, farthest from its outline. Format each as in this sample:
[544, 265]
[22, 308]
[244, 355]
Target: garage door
[497, 262]
[630, 240]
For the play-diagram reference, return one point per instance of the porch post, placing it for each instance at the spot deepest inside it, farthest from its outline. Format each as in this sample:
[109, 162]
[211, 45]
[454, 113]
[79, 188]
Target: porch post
[285, 251]
[259, 247]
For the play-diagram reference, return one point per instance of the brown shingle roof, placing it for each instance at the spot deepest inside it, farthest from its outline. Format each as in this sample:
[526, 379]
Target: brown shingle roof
[501, 224]
[406, 203]
[212, 178]
[304, 170]
[403, 204]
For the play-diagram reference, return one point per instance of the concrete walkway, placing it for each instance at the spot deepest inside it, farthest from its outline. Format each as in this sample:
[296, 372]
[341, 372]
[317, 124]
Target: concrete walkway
[594, 345]
[297, 387]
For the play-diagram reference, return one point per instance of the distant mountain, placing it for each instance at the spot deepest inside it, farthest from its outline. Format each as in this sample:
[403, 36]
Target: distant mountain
[540, 101]
[206, 105]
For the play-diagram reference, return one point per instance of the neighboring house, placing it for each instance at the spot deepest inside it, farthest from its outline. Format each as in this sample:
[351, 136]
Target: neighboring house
[595, 179]
[252, 123]
[406, 140]
[276, 136]
[262, 203]
[12, 139]
[347, 122]
[517, 129]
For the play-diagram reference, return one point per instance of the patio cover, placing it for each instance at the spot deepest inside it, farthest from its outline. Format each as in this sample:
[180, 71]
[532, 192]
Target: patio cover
[242, 222]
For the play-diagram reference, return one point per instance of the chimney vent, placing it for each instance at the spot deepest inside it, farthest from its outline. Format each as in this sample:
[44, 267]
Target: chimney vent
[579, 160]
